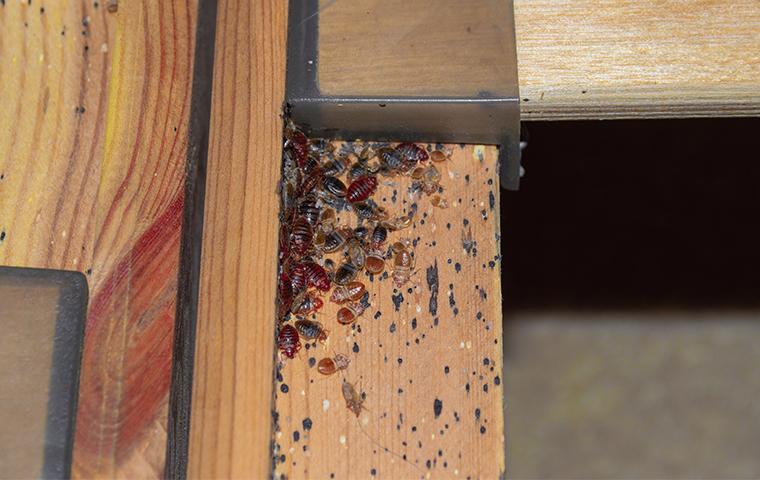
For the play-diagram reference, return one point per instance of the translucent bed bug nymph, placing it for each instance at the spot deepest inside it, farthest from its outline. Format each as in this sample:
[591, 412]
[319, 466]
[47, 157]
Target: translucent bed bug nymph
[287, 341]
[351, 292]
[354, 400]
[348, 314]
[328, 366]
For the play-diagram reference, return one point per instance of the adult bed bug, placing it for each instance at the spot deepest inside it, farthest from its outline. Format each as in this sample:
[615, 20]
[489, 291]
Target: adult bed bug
[361, 189]
[288, 342]
[311, 330]
[352, 291]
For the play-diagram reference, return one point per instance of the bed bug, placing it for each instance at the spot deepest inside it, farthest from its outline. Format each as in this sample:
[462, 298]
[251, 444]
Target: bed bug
[357, 170]
[316, 276]
[379, 236]
[309, 210]
[299, 144]
[328, 366]
[311, 330]
[390, 159]
[301, 236]
[329, 266]
[411, 154]
[305, 304]
[439, 201]
[285, 294]
[336, 239]
[287, 341]
[348, 314]
[399, 223]
[375, 263]
[345, 273]
[352, 291]
[328, 218]
[417, 173]
[403, 264]
[336, 167]
[438, 156]
[363, 210]
[283, 241]
[361, 189]
[361, 232]
[309, 182]
[334, 186]
[354, 400]
[356, 254]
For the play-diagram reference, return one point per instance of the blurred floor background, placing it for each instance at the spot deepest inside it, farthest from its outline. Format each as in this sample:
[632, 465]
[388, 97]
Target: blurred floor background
[632, 301]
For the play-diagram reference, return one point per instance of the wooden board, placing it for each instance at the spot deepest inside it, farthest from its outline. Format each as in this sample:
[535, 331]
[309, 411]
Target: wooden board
[232, 384]
[435, 341]
[638, 59]
[92, 164]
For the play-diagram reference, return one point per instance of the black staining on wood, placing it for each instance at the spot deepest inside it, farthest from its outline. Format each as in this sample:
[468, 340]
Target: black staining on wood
[432, 283]
[378, 314]
[307, 424]
[397, 300]
[468, 244]
[491, 200]
[437, 407]
[392, 327]
[452, 300]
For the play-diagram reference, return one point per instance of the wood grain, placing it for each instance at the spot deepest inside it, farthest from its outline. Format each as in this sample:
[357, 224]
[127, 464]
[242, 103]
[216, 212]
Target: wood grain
[632, 58]
[436, 339]
[92, 163]
[232, 386]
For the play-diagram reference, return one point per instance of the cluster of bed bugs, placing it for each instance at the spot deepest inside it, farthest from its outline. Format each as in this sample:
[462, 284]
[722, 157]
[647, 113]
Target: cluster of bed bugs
[322, 258]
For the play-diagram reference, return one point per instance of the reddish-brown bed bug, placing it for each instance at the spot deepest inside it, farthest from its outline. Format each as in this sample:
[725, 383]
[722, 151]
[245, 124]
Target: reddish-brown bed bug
[345, 273]
[375, 263]
[328, 366]
[361, 189]
[411, 154]
[285, 291]
[287, 341]
[311, 330]
[354, 400]
[348, 314]
[334, 186]
[301, 236]
[299, 144]
[316, 276]
[309, 182]
[309, 210]
[305, 304]
[438, 156]
[352, 291]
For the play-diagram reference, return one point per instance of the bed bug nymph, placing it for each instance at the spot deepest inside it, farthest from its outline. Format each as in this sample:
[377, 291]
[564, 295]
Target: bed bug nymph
[306, 303]
[354, 400]
[328, 366]
[311, 330]
[288, 342]
[348, 314]
[361, 189]
[352, 291]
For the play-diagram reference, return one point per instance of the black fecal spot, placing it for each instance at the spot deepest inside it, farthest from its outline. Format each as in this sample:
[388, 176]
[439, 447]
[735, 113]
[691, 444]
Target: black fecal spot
[483, 294]
[414, 428]
[284, 388]
[378, 314]
[428, 463]
[397, 300]
[400, 360]
[307, 424]
[435, 322]
[440, 453]
[373, 471]
[491, 264]
[477, 414]
[448, 261]
[296, 435]
[467, 178]
[2, 235]
[355, 349]
[482, 429]
[282, 458]
[312, 361]
[497, 380]
[491, 200]
[485, 387]
[392, 328]
[432, 283]
[414, 324]
[458, 267]
[448, 226]
[446, 369]
[486, 361]
[465, 222]
[437, 407]
[467, 387]
[479, 315]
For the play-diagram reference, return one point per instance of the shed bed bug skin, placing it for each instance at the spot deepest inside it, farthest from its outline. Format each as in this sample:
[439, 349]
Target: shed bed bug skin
[356, 254]
[361, 189]
[288, 342]
[311, 330]
[438, 156]
[306, 303]
[354, 400]
[403, 264]
[352, 291]
[345, 273]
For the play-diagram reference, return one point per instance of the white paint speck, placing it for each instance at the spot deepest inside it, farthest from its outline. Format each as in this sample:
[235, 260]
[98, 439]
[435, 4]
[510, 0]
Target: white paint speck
[461, 344]
[419, 309]
[342, 439]
[104, 48]
[325, 405]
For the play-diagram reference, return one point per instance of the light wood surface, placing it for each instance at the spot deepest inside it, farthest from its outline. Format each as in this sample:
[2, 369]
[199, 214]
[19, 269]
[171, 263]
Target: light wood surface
[436, 339]
[632, 58]
[232, 385]
[92, 161]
